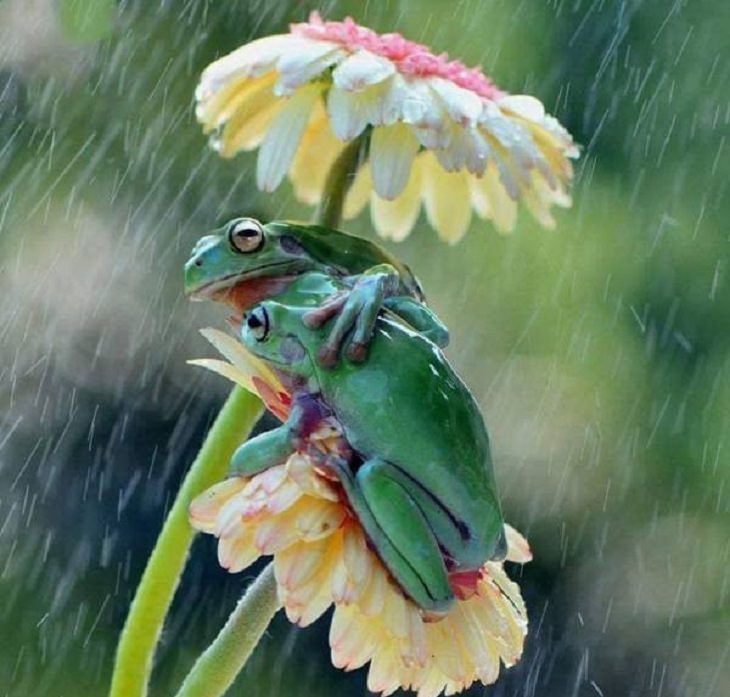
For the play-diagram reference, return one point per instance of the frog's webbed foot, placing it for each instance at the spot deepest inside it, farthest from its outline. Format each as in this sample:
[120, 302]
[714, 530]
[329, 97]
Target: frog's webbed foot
[357, 311]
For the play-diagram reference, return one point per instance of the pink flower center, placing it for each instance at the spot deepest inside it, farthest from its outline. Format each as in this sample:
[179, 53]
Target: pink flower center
[409, 57]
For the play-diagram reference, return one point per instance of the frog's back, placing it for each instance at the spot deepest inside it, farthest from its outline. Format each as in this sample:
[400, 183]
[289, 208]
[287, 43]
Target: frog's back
[350, 253]
[407, 405]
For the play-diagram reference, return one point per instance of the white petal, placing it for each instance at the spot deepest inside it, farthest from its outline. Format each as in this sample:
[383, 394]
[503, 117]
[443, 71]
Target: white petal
[421, 106]
[523, 105]
[349, 112]
[282, 138]
[466, 148]
[303, 62]
[462, 105]
[250, 60]
[388, 107]
[392, 149]
[361, 70]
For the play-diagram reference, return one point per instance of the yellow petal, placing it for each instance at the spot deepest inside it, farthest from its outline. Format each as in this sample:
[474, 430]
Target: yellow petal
[385, 667]
[446, 195]
[372, 600]
[318, 150]
[301, 471]
[446, 652]
[283, 136]
[394, 612]
[226, 370]
[204, 509]
[502, 209]
[395, 219]
[518, 549]
[237, 552]
[392, 151]
[352, 641]
[296, 565]
[358, 194]
[241, 99]
[242, 359]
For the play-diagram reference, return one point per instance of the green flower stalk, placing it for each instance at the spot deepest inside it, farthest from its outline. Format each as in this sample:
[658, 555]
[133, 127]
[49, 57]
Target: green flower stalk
[141, 633]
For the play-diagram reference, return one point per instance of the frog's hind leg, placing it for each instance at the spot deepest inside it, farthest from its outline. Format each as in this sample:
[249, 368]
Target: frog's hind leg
[400, 533]
[466, 550]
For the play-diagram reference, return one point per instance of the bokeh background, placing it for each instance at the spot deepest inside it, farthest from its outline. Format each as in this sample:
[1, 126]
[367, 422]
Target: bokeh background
[600, 352]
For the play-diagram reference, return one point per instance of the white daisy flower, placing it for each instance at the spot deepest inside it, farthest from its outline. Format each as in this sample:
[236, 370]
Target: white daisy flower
[440, 134]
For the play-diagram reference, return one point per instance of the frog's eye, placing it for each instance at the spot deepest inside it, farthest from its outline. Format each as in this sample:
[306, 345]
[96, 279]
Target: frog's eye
[258, 323]
[246, 235]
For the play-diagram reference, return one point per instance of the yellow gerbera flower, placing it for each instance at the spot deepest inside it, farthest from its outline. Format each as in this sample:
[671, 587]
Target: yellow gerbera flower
[322, 557]
[442, 134]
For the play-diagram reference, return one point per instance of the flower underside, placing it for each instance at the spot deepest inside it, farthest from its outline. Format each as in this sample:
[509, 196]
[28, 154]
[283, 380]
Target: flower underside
[441, 135]
[298, 514]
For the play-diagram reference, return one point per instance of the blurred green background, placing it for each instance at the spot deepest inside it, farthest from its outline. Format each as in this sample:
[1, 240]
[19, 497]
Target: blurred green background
[600, 352]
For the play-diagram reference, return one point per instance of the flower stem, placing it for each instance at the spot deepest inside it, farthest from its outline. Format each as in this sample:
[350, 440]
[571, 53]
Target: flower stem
[160, 579]
[339, 180]
[217, 668]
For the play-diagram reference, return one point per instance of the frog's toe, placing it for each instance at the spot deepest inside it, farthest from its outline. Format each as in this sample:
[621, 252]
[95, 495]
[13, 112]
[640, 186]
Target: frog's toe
[328, 356]
[357, 352]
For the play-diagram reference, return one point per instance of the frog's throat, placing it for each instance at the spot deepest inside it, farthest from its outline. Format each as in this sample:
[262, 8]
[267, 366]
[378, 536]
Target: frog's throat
[245, 294]
[267, 272]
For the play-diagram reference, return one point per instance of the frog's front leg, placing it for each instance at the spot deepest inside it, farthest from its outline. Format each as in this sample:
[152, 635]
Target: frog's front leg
[357, 311]
[400, 533]
[421, 318]
[275, 446]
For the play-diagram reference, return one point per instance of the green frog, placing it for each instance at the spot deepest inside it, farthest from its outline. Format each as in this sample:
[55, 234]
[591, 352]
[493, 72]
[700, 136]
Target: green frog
[417, 469]
[246, 261]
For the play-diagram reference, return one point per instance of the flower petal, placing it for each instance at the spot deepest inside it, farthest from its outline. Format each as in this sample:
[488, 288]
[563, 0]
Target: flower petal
[518, 549]
[304, 61]
[237, 552]
[349, 112]
[205, 508]
[463, 106]
[250, 60]
[282, 138]
[359, 193]
[297, 564]
[523, 105]
[360, 70]
[447, 202]
[318, 150]
[392, 151]
[395, 219]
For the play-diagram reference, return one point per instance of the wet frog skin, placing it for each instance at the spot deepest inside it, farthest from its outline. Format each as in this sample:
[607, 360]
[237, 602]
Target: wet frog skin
[420, 479]
[246, 261]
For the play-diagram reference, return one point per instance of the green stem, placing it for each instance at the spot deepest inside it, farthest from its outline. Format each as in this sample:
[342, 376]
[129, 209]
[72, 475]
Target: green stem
[339, 180]
[217, 668]
[160, 579]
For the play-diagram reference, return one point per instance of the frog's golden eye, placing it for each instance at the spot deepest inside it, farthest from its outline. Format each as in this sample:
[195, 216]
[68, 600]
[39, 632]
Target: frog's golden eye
[258, 323]
[245, 235]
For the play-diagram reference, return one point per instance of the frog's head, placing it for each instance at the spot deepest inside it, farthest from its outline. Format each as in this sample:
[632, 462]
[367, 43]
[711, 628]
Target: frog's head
[277, 334]
[243, 250]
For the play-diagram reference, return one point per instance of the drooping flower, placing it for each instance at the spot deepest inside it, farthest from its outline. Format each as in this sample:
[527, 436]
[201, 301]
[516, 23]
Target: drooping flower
[440, 134]
[300, 516]
[321, 557]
